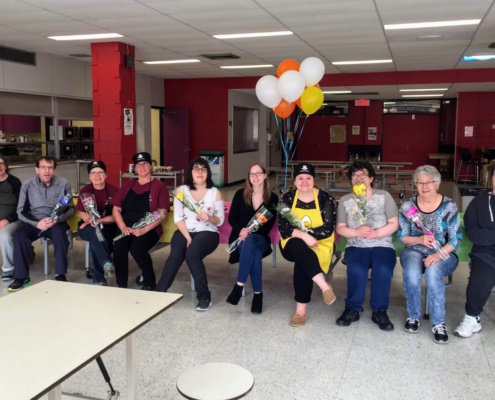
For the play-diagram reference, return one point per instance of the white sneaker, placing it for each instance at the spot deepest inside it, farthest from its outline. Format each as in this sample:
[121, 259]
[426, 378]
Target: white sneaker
[468, 326]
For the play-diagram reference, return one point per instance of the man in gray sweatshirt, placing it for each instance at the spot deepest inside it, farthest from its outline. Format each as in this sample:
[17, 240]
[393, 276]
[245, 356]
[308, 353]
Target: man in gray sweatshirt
[38, 198]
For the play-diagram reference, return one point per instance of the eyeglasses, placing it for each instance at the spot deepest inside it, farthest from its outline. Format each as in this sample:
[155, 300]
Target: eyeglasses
[142, 164]
[256, 174]
[198, 170]
[2, 164]
[428, 183]
[46, 168]
[359, 175]
[96, 173]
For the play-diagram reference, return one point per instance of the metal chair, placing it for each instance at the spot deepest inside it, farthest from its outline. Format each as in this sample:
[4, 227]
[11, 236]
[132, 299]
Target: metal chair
[467, 160]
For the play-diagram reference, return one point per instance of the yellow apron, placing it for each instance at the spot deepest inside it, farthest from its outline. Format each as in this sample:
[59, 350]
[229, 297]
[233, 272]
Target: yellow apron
[312, 219]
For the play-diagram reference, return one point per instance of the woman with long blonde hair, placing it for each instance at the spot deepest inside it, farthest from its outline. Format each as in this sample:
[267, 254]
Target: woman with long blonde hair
[255, 246]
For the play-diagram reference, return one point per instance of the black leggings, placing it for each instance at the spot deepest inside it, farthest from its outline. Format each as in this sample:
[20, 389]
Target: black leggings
[481, 282]
[138, 247]
[306, 267]
[203, 244]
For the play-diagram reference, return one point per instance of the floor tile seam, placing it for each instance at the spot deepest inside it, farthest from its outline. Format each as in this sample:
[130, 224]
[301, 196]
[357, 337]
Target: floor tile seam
[487, 356]
[347, 359]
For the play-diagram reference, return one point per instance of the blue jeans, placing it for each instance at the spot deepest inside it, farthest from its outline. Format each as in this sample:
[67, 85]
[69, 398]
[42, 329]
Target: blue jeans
[251, 253]
[359, 260]
[100, 252]
[413, 268]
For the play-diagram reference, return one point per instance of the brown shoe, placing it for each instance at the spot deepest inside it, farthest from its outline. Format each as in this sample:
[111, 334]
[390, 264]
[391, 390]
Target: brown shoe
[329, 296]
[298, 320]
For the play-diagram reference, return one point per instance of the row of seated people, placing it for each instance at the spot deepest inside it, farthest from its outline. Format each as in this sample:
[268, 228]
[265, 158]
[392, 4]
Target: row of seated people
[25, 210]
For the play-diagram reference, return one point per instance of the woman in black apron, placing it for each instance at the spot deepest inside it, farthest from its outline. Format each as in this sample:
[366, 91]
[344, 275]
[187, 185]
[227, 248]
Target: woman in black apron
[101, 252]
[131, 203]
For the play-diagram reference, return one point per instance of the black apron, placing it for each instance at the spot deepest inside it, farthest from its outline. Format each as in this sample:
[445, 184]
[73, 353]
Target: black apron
[135, 206]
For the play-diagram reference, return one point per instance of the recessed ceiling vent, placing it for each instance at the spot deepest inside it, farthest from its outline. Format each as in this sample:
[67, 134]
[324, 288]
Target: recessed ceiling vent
[224, 56]
[17, 56]
[80, 55]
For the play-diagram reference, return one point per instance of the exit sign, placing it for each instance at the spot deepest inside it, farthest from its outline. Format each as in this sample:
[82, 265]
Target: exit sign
[361, 102]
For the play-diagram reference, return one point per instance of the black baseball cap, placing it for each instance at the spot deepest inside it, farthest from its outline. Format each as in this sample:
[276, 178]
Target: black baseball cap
[97, 164]
[304, 168]
[140, 157]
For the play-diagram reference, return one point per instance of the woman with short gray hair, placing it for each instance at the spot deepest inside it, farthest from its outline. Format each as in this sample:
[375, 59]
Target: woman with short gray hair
[419, 256]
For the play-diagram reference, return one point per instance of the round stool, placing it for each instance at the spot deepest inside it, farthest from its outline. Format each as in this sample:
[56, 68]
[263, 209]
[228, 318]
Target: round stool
[215, 381]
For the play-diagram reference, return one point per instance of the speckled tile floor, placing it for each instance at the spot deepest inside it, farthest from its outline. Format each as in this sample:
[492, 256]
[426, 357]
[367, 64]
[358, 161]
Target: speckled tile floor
[317, 361]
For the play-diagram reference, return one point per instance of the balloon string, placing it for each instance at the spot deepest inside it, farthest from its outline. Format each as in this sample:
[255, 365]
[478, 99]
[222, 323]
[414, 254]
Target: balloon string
[299, 138]
[295, 129]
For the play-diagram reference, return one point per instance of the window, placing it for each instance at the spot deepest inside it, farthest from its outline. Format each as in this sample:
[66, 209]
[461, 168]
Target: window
[245, 130]
[412, 107]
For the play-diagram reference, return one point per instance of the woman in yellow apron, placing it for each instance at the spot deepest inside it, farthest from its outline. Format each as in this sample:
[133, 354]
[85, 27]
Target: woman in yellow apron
[311, 252]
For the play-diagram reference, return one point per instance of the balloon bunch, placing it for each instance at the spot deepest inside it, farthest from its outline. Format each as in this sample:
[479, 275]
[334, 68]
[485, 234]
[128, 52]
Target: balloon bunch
[295, 84]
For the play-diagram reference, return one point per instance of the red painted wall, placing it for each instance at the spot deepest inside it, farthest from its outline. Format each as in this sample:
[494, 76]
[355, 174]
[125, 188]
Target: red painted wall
[357, 117]
[374, 118]
[20, 124]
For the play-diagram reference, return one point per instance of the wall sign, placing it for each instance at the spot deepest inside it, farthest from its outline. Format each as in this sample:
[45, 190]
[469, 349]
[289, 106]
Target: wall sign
[372, 133]
[355, 130]
[128, 121]
[468, 131]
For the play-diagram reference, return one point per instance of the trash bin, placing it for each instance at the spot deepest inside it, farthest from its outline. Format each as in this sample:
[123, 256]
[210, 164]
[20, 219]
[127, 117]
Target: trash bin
[468, 194]
[216, 161]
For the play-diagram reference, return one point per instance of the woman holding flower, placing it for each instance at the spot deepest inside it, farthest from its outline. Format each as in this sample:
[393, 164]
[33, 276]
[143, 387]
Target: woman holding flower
[442, 219]
[253, 247]
[311, 251]
[367, 218]
[197, 235]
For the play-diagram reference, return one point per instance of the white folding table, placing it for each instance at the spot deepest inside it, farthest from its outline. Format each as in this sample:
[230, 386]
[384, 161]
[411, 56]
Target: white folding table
[53, 329]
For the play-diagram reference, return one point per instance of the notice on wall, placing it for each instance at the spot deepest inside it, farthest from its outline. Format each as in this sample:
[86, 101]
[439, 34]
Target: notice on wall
[355, 130]
[468, 131]
[372, 133]
[337, 134]
[128, 121]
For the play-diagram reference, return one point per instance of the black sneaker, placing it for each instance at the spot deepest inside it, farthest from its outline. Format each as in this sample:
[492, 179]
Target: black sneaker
[139, 280]
[412, 325]
[7, 277]
[203, 305]
[348, 316]
[61, 278]
[381, 319]
[149, 288]
[19, 284]
[440, 334]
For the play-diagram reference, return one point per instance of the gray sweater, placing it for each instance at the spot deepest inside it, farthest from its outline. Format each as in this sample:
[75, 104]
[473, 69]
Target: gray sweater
[36, 200]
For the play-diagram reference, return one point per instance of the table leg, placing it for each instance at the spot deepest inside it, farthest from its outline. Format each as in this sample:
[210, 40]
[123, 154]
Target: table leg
[55, 393]
[130, 342]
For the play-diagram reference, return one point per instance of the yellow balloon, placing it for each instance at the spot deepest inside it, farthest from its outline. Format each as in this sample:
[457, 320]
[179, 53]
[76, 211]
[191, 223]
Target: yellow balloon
[311, 100]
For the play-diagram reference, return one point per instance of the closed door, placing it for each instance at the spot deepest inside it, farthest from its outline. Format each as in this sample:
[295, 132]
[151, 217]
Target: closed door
[410, 140]
[176, 148]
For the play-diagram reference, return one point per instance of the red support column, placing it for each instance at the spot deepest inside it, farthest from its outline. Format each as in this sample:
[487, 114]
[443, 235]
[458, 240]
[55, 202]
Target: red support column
[114, 89]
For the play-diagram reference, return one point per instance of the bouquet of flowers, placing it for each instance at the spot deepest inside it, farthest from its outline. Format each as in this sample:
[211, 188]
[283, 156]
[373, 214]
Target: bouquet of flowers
[360, 198]
[148, 219]
[412, 214]
[285, 211]
[61, 207]
[258, 220]
[190, 204]
[89, 203]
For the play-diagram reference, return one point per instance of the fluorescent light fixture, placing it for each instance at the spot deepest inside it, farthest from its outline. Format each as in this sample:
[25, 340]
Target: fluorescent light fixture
[389, 102]
[189, 60]
[421, 90]
[338, 92]
[433, 24]
[361, 62]
[478, 58]
[87, 37]
[252, 35]
[247, 66]
[422, 95]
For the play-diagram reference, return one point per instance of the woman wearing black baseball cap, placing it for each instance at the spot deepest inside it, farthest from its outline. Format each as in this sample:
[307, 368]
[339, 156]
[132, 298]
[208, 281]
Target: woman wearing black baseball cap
[310, 251]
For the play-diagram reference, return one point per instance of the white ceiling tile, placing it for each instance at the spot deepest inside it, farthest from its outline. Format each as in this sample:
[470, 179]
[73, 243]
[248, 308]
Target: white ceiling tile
[60, 28]
[19, 37]
[141, 32]
[475, 64]
[121, 11]
[222, 16]
[329, 18]
[227, 27]
[31, 17]
[115, 24]
[426, 86]
[13, 6]
[286, 3]
[195, 6]
[68, 4]
[303, 10]
[4, 30]
[367, 68]
[432, 14]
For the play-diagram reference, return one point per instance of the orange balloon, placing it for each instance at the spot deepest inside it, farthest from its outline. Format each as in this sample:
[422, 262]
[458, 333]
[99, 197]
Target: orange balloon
[317, 85]
[287, 65]
[284, 109]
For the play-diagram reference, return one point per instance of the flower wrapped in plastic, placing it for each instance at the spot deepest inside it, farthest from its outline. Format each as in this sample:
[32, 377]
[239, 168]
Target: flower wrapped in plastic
[190, 204]
[89, 203]
[259, 219]
[412, 213]
[291, 217]
[148, 219]
[359, 191]
[61, 208]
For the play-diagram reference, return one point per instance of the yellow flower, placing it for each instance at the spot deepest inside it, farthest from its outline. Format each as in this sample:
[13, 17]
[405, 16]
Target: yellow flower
[359, 190]
[180, 196]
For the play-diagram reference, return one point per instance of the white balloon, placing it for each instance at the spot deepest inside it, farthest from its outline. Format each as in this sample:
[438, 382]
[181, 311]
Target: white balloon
[267, 91]
[291, 85]
[313, 70]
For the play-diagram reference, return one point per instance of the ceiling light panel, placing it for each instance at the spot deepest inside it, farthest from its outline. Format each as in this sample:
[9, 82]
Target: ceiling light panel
[422, 90]
[87, 37]
[252, 35]
[419, 25]
[246, 66]
[172, 61]
[361, 62]
[422, 95]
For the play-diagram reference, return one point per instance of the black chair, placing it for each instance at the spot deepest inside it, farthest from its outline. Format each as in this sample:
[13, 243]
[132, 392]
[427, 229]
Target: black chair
[467, 160]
